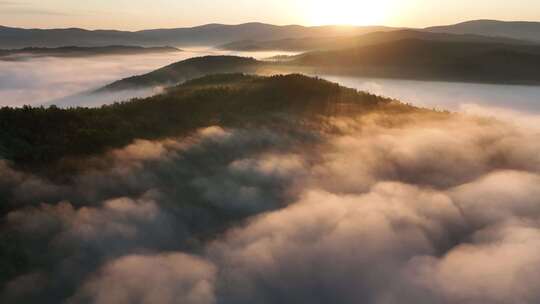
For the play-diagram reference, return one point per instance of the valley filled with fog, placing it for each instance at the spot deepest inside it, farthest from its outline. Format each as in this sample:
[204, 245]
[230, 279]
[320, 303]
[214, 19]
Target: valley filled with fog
[277, 190]
[234, 188]
[47, 80]
[44, 80]
[519, 104]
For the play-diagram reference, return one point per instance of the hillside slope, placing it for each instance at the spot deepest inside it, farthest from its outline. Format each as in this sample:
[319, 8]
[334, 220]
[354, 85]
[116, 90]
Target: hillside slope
[186, 70]
[434, 60]
[38, 136]
[511, 29]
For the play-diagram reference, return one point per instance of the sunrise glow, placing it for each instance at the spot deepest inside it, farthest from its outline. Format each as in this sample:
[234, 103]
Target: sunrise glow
[350, 12]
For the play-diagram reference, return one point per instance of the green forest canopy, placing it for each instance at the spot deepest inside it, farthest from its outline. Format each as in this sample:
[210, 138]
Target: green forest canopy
[36, 136]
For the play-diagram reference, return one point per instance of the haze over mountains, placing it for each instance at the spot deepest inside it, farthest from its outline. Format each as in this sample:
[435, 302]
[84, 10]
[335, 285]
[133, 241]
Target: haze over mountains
[77, 51]
[206, 35]
[207, 176]
[435, 60]
[219, 34]
[342, 42]
[404, 58]
[515, 29]
[348, 51]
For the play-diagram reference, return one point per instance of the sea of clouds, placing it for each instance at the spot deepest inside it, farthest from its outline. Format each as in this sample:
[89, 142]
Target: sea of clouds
[65, 81]
[37, 81]
[405, 208]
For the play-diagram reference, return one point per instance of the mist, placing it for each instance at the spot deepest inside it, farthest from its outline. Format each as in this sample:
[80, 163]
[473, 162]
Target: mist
[66, 81]
[403, 208]
[454, 96]
[258, 163]
[420, 206]
[40, 80]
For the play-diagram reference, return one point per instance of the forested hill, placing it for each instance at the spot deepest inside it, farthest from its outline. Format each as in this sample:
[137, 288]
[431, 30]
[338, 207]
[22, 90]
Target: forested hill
[186, 70]
[37, 137]
[434, 60]
[405, 58]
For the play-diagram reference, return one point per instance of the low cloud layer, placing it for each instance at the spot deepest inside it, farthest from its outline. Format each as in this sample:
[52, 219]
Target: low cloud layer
[404, 208]
[36, 81]
[168, 278]
[454, 96]
[61, 81]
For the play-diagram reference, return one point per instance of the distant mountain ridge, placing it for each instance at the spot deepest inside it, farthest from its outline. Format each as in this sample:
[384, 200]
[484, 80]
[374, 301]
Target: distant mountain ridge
[433, 60]
[216, 34]
[410, 58]
[77, 51]
[205, 35]
[524, 30]
[332, 43]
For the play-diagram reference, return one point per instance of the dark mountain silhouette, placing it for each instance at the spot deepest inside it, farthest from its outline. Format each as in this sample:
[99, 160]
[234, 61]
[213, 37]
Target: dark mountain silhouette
[513, 29]
[186, 70]
[440, 60]
[206, 35]
[75, 51]
[330, 43]
[406, 58]
[21, 38]
[292, 36]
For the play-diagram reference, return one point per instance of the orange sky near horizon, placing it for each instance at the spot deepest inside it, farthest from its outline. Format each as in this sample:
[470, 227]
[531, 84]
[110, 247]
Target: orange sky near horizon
[143, 14]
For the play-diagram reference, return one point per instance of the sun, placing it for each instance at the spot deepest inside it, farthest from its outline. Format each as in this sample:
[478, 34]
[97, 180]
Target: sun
[349, 12]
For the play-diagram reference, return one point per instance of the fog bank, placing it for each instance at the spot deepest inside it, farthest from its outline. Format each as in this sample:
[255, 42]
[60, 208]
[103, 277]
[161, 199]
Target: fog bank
[448, 95]
[402, 208]
[49, 80]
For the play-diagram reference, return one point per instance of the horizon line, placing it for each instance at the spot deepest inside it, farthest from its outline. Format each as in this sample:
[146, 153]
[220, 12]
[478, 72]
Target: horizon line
[260, 23]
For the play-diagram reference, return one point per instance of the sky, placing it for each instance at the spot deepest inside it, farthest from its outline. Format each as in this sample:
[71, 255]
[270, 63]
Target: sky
[144, 14]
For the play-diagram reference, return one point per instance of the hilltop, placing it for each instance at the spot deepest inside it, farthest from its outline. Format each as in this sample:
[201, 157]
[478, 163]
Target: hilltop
[186, 70]
[41, 136]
